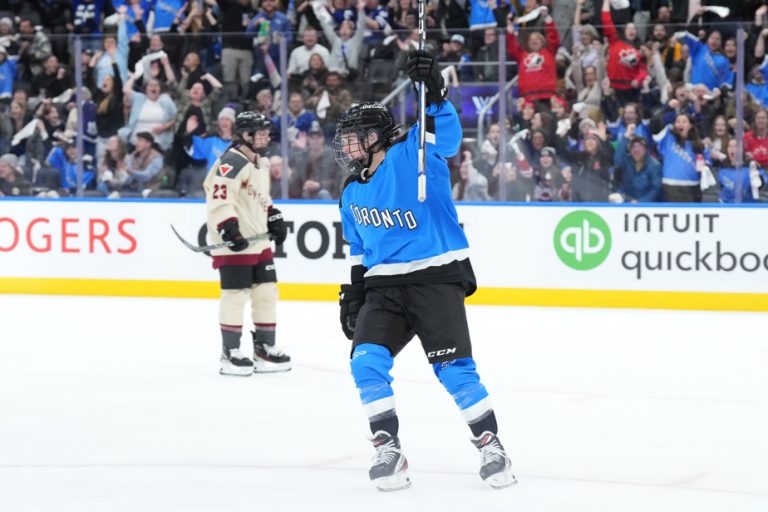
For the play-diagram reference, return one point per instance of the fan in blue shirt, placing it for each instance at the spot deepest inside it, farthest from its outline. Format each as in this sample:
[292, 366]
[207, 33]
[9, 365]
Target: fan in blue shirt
[739, 184]
[708, 65]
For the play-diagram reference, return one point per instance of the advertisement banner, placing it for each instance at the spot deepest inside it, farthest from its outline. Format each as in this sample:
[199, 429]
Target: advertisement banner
[519, 252]
[134, 240]
[617, 248]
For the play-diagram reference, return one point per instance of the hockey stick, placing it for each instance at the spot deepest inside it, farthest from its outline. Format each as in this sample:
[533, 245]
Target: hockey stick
[206, 248]
[422, 180]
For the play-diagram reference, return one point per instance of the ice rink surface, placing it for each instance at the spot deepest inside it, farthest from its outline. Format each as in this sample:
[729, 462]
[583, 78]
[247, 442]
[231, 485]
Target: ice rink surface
[115, 404]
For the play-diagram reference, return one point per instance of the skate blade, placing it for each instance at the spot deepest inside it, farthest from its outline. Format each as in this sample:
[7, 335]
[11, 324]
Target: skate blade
[261, 366]
[502, 479]
[236, 371]
[395, 482]
[235, 374]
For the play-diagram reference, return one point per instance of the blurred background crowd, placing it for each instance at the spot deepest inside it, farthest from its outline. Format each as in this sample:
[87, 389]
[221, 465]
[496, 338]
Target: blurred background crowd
[561, 100]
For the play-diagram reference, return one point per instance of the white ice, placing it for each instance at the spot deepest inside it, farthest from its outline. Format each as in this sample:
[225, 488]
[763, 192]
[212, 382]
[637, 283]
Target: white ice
[115, 404]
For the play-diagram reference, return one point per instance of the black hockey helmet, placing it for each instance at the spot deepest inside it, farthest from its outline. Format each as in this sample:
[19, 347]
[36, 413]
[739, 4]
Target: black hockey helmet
[350, 144]
[249, 122]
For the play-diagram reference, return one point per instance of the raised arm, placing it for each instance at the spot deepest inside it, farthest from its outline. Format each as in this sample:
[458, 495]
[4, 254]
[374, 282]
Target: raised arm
[169, 74]
[609, 29]
[360, 26]
[760, 44]
[212, 80]
[621, 156]
[658, 72]
[600, 64]
[576, 32]
[694, 45]
[514, 50]
[326, 22]
[553, 38]
[577, 13]
[577, 71]
[447, 129]
[128, 87]
[443, 127]
[122, 40]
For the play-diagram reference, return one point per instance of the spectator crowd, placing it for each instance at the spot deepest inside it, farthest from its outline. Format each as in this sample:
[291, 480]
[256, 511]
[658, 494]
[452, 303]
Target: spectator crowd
[615, 100]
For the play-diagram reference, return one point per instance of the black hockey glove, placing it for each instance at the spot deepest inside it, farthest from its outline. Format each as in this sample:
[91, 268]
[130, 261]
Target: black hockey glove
[423, 68]
[351, 299]
[276, 226]
[229, 231]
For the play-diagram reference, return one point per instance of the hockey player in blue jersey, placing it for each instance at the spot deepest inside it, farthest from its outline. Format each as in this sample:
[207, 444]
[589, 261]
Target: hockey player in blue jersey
[410, 273]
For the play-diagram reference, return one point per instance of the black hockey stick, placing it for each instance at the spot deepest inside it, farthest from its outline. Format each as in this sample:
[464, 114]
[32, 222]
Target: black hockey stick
[206, 248]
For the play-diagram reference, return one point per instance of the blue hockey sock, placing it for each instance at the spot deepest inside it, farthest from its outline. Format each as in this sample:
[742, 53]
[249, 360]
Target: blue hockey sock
[461, 380]
[370, 368]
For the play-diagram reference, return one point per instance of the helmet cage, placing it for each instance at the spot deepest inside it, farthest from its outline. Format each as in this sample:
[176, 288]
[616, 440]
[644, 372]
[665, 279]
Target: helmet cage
[351, 147]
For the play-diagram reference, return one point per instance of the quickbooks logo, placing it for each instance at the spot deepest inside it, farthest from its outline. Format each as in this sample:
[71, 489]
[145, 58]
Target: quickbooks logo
[582, 240]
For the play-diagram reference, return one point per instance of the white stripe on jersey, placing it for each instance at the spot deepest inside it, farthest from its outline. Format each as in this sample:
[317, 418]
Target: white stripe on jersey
[393, 269]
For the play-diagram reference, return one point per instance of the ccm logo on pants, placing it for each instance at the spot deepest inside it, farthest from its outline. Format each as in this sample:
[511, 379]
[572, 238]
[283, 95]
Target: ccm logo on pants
[444, 352]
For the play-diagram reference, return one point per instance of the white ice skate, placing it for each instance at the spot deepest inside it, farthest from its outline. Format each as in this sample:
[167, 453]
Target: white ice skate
[389, 468]
[233, 362]
[495, 466]
[269, 359]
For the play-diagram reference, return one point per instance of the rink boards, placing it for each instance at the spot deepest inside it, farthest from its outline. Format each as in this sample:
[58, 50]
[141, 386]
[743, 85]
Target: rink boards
[678, 257]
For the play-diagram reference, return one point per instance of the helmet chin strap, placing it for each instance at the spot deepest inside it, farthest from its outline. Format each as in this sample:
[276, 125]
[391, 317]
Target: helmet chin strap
[365, 174]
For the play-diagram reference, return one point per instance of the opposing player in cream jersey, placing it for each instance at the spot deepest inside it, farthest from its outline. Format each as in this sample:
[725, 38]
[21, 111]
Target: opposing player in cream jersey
[239, 206]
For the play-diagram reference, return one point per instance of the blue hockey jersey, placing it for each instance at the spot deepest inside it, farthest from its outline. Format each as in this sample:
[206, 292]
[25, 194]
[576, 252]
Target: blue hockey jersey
[58, 160]
[481, 15]
[708, 68]
[618, 129]
[760, 91]
[209, 149]
[396, 238]
[7, 78]
[679, 161]
[165, 12]
[735, 182]
[131, 15]
[87, 16]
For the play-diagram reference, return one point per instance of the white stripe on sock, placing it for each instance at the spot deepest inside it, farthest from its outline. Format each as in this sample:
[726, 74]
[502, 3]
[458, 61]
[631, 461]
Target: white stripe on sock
[379, 406]
[474, 412]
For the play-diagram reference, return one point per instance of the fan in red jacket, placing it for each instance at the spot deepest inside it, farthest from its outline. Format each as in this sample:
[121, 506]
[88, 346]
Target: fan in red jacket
[537, 69]
[626, 64]
[756, 140]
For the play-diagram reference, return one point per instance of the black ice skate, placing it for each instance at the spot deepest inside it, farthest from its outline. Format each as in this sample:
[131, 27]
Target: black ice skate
[233, 362]
[389, 469]
[495, 466]
[267, 359]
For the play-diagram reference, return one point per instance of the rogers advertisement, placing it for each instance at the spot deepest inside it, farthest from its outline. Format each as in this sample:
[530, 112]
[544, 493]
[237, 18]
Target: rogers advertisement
[578, 247]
